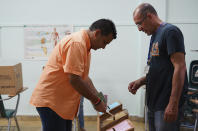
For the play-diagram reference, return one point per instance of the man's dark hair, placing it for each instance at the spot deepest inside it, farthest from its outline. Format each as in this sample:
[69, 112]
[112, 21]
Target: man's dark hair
[106, 26]
[145, 8]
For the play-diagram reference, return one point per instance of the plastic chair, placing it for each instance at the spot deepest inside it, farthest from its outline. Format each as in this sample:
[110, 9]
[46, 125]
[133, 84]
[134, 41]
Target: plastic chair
[192, 96]
[9, 113]
[193, 76]
[193, 82]
[193, 85]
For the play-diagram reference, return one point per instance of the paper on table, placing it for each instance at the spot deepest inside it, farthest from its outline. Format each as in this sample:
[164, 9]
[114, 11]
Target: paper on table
[123, 126]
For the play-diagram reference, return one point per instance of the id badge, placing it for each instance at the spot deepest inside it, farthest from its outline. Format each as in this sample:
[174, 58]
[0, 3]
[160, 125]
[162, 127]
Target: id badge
[146, 69]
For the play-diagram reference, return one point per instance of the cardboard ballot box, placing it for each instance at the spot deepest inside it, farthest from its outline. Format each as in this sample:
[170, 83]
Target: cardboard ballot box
[116, 119]
[11, 81]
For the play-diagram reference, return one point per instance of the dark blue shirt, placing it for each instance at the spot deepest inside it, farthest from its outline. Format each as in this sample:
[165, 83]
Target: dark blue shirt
[167, 40]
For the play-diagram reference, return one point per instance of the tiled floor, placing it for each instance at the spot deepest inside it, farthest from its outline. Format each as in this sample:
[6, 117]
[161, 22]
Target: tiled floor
[35, 125]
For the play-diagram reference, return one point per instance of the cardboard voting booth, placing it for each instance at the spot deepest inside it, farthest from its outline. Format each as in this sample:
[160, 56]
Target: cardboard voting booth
[116, 119]
[11, 81]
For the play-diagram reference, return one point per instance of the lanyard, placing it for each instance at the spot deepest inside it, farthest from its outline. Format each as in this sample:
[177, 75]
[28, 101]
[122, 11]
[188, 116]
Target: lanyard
[151, 43]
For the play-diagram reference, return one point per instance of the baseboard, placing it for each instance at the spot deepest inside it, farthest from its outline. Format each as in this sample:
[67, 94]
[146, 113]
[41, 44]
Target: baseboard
[137, 118]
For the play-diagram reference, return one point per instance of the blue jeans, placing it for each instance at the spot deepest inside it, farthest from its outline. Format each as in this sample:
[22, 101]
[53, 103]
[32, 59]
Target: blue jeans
[52, 121]
[81, 113]
[157, 123]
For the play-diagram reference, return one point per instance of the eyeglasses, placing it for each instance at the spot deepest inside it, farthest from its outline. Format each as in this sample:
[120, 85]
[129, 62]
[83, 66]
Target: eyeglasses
[140, 22]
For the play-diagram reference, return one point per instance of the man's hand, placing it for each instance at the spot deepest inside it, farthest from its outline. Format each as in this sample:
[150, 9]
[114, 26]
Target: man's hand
[171, 112]
[135, 85]
[101, 107]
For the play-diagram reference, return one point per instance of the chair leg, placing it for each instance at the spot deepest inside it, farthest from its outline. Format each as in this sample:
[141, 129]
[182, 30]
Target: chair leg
[9, 124]
[16, 123]
[195, 128]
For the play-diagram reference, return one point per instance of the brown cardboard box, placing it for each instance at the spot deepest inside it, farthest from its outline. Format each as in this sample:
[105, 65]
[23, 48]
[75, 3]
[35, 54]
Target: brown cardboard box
[11, 81]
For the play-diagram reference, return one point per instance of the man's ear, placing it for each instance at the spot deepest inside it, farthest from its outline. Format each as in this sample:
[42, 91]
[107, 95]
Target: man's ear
[97, 32]
[149, 15]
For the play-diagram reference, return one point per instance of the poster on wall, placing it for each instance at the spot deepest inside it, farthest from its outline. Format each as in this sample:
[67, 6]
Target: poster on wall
[40, 40]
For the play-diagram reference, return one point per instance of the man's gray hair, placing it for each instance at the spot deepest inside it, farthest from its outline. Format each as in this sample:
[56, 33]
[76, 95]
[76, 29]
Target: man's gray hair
[145, 8]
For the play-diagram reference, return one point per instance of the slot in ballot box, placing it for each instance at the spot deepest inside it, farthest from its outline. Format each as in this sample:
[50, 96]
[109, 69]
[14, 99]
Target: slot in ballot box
[116, 119]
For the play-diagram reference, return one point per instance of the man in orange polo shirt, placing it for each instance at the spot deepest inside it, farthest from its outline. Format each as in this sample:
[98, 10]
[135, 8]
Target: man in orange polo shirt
[65, 77]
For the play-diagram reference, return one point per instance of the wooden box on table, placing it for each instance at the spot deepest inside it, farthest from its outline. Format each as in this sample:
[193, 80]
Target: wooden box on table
[118, 122]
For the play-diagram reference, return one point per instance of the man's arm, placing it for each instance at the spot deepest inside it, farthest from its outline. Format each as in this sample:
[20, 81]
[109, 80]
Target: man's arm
[83, 87]
[178, 61]
[91, 85]
[86, 89]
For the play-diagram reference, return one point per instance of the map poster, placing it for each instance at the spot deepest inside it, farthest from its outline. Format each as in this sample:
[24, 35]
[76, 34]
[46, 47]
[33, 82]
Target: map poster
[40, 40]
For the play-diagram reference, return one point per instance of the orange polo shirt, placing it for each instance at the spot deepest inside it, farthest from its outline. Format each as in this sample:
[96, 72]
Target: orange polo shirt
[71, 55]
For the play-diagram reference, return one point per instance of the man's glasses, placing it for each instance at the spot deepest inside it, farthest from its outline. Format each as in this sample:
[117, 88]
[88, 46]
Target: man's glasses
[140, 22]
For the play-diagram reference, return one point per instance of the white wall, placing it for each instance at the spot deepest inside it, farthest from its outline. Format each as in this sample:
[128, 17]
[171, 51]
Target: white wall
[65, 12]
[0, 43]
[111, 69]
[184, 14]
